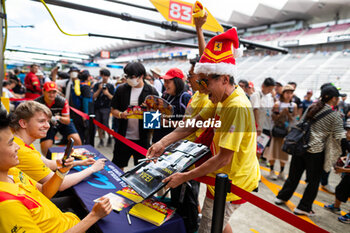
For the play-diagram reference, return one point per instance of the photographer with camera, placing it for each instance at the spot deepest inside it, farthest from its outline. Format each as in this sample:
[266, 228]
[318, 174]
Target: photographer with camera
[103, 94]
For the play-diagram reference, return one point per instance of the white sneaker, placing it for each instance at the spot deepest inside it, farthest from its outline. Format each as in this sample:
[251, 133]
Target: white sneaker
[303, 212]
[329, 188]
[281, 176]
[278, 201]
[272, 175]
[100, 144]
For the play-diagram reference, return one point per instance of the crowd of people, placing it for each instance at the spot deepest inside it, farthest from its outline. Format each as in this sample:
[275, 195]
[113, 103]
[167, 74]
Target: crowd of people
[207, 91]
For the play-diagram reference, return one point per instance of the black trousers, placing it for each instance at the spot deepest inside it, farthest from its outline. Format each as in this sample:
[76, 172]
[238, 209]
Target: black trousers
[81, 125]
[186, 204]
[122, 154]
[313, 164]
[268, 133]
[342, 191]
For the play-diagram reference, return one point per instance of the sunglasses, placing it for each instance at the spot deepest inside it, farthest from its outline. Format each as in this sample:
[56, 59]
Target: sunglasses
[204, 82]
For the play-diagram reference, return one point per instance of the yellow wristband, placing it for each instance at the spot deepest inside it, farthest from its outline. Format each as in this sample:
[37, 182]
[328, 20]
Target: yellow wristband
[119, 115]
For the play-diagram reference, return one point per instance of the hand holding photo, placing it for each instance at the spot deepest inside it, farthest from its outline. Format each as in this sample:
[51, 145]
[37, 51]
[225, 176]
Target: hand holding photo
[118, 203]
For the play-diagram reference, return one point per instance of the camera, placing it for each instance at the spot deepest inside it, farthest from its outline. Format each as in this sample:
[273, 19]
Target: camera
[104, 86]
[291, 109]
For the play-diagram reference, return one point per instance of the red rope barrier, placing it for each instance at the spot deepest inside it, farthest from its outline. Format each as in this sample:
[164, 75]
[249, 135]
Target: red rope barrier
[268, 207]
[23, 99]
[257, 201]
[124, 140]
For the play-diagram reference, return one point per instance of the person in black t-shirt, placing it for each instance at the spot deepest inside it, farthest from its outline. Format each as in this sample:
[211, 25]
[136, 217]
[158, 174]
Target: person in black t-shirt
[297, 101]
[134, 93]
[103, 94]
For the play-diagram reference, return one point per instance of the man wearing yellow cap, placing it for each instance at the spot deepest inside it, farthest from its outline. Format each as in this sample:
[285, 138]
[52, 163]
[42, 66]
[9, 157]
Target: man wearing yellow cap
[234, 142]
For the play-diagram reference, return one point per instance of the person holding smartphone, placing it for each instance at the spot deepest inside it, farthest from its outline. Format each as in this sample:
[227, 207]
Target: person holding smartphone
[25, 204]
[30, 122]
[283, 115]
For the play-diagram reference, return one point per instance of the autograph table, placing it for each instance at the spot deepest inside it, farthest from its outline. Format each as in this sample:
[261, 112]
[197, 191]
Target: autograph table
[108, 180]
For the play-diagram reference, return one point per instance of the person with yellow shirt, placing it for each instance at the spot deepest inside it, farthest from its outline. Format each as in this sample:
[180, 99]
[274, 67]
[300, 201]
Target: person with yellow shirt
[25, 204]
[197, 101]
[199, 98]
[234, 143]
[30, 121]
[186, 206]
[186, 202]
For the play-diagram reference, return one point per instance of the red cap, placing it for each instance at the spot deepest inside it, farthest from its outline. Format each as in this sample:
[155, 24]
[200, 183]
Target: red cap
[251, 84]
[174, 73]
[49, 86]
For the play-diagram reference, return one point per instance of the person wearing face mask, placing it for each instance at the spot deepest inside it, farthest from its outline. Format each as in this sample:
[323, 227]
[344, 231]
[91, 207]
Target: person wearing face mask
[149, 79]
[131, 93]
[66, 84]
[103, 94]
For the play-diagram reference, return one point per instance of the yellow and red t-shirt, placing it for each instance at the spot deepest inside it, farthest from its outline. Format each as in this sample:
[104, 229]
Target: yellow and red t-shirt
[30, 161]
[238, 134]
[197, 102]
[23, 208]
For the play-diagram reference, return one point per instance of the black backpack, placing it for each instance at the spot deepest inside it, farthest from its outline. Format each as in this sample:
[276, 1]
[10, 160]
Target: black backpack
[185, 199]
[297, 140]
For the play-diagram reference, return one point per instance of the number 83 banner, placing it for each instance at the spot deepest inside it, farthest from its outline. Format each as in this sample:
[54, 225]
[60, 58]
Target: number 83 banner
[181, 12]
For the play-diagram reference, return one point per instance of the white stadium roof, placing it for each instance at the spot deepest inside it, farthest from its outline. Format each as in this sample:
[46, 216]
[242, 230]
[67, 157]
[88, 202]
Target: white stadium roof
[319, 11]
[240, 13]
[259, 12]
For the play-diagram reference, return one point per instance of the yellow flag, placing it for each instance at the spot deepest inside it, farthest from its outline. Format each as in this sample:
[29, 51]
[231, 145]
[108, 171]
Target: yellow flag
[5, 101]
[181, 12]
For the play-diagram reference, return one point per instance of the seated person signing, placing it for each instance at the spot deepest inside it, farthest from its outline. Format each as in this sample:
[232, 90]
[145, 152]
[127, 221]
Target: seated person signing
[25, 204]
[30, 121]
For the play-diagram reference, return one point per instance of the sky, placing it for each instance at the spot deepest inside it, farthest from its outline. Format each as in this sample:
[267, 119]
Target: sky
[45, 34]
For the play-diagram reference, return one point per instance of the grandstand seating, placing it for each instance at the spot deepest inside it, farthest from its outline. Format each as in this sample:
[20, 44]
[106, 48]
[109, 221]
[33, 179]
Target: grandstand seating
[309, 71]
[293, 33]
[314, 31]
[337, 29]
